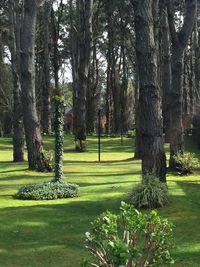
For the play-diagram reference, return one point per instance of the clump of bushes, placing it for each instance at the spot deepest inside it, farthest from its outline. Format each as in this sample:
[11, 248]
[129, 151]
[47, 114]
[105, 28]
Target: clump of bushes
[129, 239]
[186, 162]
[48, 191]
[151, 193]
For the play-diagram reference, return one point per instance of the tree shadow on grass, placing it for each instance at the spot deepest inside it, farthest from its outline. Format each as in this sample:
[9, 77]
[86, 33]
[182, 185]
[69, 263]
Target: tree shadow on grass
[15, 170]
[52, 234]
[135, 161]
[192, 191]
[184, 212]
[35, 233]
[28, 177]
[114, 184]
[110, 145]
[113, 174]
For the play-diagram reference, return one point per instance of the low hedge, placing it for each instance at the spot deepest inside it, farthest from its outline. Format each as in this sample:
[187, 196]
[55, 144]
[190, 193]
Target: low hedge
[48, 191]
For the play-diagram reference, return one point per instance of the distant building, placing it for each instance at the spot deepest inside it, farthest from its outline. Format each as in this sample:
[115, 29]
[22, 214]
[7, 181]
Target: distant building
[68, 120]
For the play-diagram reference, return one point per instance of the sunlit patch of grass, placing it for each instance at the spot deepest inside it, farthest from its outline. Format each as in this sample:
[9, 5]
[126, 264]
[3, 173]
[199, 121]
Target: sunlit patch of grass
[51, 233]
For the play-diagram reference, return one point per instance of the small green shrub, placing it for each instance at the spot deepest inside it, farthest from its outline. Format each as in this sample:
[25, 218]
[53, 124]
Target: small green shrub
[47, 191]
[129, 239]
[48, 155]
[131, 133]
[151, 193]
[186, 162]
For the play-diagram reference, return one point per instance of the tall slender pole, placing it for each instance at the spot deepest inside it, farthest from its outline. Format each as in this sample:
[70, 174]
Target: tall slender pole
[99, 135]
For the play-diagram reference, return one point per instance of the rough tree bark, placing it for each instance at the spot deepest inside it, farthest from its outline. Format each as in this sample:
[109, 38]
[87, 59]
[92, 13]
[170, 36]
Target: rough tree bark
[93, 92]
[179, 43]
[36, 157]
[81, 55]
[196, 120]
[109, 56]
[46, 90]
[165, 68]
[153, 156]
[14, 46]
[138, 138]
[55, 28]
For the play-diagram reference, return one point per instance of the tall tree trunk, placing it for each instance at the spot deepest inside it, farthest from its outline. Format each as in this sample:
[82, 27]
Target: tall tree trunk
[109, 65]
[165, 70]
[179, 43]
[46, 90]
[36, 157]
[124, 84]
[81, 55]
[153, 156]
[138, 137]
[93, 92]
[116, 93]
[14, 46]
[55, 23]
[188, 87]
[196, 120]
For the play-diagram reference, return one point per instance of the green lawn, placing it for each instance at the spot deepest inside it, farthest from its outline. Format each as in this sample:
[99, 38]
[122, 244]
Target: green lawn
[51, 233]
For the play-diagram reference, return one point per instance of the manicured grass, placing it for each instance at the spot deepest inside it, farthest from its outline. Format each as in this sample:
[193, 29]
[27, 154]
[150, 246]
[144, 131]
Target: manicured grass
[51, 233]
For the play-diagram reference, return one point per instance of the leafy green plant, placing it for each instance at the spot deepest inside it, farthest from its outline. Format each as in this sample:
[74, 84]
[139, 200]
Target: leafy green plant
[151, 193]
[57, 188]
[47, 191]
[48, 157]
[129, 239]
[131, 133]
[186, 162]
[58, 127]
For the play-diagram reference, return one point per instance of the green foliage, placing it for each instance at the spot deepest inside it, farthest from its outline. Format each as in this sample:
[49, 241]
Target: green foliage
[151, 193]
[48, 158]
[58, 127]
[130, 239]
[131, 133]
[186, 162]
[48, 191]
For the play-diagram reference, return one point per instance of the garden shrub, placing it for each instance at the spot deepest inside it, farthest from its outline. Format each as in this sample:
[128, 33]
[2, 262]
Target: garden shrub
[186, 162]
[48, 157]
[151, 193]
[129, 239]
[48, 191]
[56, 188]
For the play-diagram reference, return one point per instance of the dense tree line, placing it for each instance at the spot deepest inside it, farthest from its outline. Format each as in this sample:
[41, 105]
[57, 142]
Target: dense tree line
[137, 61]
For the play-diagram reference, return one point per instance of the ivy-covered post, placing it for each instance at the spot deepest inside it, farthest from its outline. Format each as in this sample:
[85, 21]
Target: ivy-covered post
[58, 128]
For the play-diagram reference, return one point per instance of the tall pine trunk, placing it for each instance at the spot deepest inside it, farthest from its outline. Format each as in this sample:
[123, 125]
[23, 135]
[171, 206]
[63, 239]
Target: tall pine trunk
[14, 46]
[165, 70]
[36, 157]
[46, 90]
[153, 155]
[81, 56]
[179, 43]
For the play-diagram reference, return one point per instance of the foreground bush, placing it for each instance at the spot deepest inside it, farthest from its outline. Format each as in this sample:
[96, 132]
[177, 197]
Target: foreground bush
[129, 239]
[151, 193]
[47, 191]
[186, 162]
